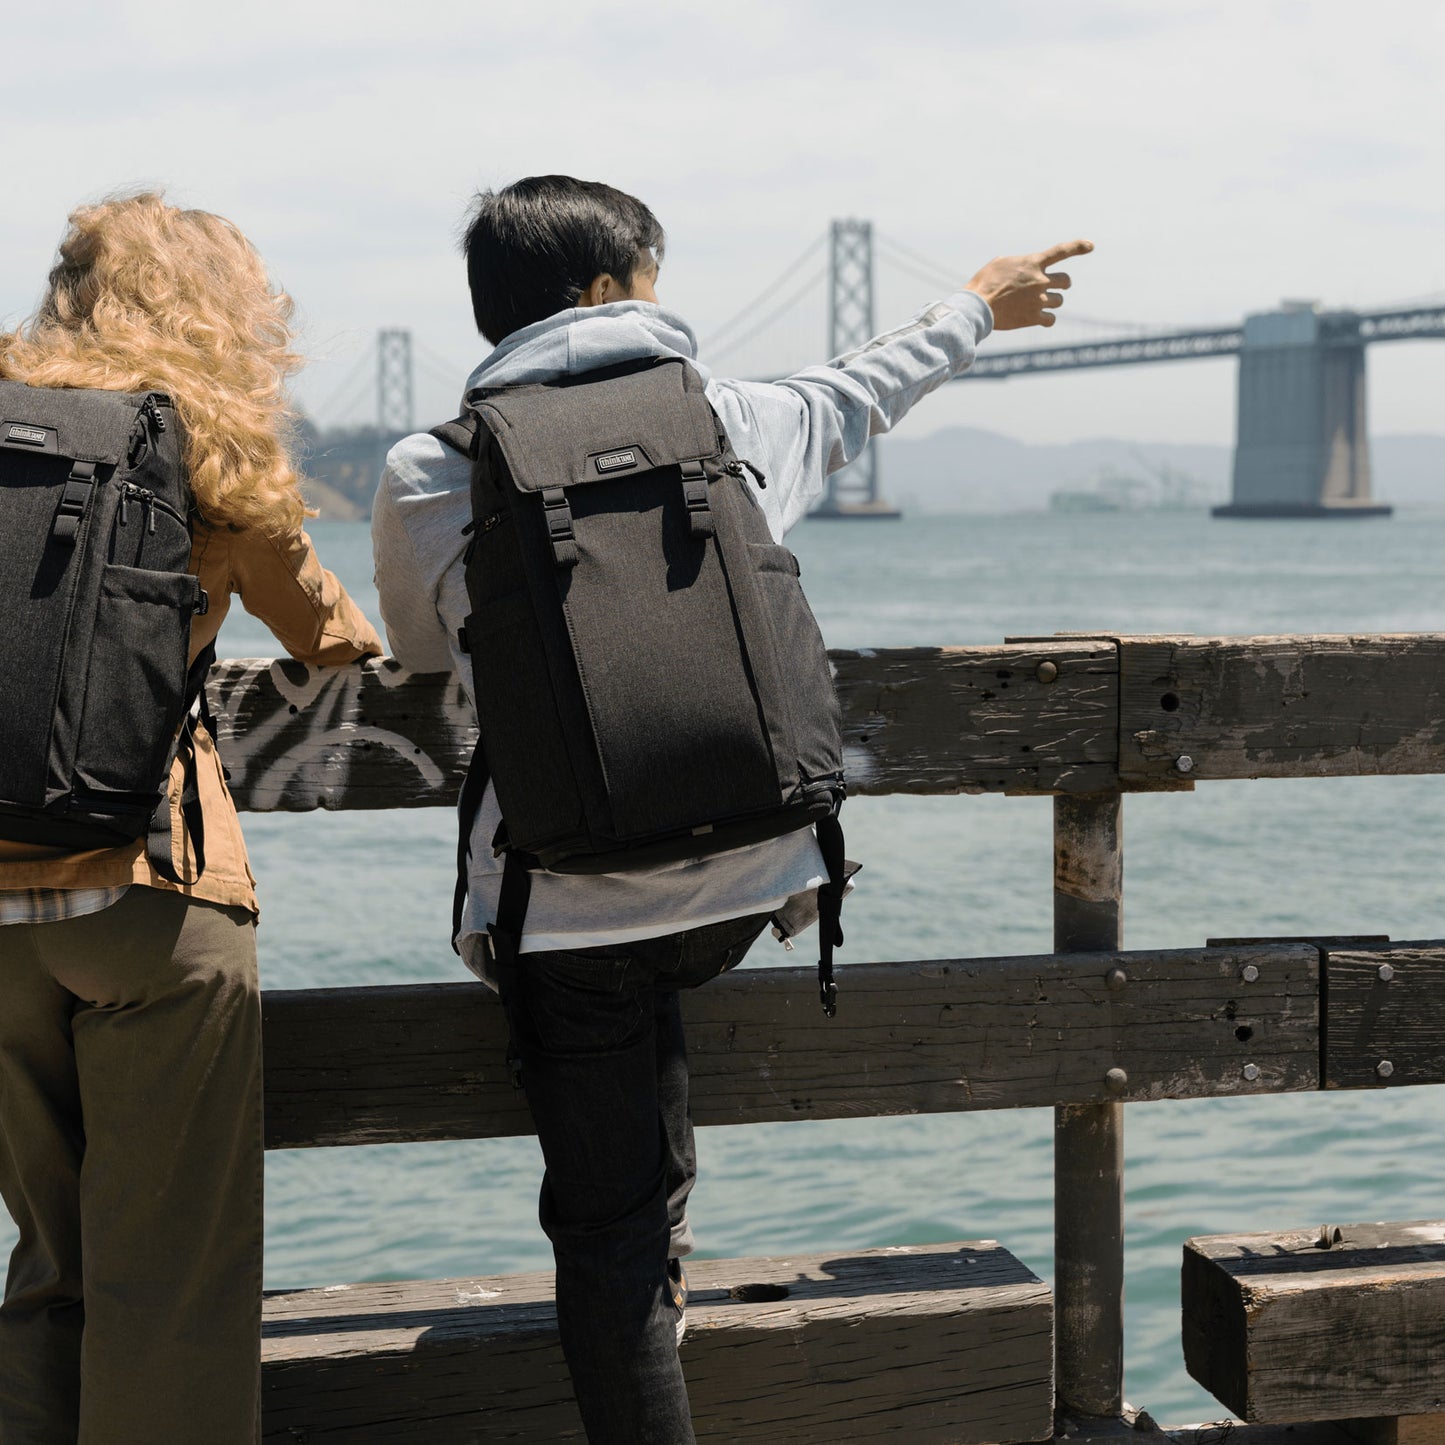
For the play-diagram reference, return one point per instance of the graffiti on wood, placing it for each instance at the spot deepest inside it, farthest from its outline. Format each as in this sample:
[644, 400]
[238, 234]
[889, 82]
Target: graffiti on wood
[371, 735]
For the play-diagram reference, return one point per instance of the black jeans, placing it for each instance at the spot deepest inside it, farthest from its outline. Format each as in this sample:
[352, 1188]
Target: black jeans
[604, 1063]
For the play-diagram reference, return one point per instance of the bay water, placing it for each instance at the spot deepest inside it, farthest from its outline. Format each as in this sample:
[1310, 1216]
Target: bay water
[356, 898]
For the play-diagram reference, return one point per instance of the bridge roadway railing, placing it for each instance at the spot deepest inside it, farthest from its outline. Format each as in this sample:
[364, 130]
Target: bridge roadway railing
[1126, 351]
[1084, 1030]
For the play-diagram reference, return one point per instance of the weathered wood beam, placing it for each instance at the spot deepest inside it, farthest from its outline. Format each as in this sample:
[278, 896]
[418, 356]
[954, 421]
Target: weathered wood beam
[426, 1061]
[1074, 716]
[935, 1344]
[1281, 707]
[1303, 1326]
[1398, 1430]
[1386, 1021]
[1230, 1430]
[1031, 719]
[295, 738]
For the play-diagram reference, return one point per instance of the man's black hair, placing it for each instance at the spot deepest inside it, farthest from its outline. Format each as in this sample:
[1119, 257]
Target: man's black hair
[533, 247]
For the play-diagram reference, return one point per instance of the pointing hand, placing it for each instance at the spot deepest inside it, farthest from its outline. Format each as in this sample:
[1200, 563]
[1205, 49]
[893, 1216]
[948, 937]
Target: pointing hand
[1022, 290]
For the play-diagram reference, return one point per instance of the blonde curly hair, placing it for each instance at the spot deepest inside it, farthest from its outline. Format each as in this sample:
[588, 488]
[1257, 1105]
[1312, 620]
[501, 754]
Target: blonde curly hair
[145, 296]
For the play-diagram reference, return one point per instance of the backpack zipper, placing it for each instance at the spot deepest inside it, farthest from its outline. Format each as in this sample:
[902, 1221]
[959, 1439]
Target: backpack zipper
[149, 503]
[735, 467]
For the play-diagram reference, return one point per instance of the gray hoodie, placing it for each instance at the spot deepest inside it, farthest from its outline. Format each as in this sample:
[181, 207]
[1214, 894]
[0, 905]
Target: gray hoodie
[794, 431]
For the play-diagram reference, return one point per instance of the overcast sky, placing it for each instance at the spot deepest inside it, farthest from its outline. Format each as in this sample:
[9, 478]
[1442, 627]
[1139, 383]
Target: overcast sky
[1221, 154]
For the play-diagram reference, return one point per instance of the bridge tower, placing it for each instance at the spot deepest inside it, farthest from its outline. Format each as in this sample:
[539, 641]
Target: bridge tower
[853, 492]
[394, 404]
[1302, 448]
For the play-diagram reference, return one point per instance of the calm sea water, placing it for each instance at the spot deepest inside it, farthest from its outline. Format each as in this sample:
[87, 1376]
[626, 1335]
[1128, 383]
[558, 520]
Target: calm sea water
[356, 898]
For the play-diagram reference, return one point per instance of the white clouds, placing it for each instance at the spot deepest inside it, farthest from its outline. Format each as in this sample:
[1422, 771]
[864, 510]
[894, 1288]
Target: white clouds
[1222, 155]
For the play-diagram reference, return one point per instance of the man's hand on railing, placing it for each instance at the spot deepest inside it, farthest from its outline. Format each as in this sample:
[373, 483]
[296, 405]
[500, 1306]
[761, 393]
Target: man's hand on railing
[1022, 291]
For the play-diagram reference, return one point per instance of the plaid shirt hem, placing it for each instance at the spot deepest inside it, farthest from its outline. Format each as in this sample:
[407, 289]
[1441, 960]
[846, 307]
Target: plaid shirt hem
[51, 905]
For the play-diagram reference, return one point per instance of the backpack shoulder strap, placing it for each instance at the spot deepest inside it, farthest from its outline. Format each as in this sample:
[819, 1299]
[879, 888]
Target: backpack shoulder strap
[460, 434]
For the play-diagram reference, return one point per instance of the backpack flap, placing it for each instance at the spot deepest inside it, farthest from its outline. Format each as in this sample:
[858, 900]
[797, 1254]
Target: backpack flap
[82, 426]
[599, 431]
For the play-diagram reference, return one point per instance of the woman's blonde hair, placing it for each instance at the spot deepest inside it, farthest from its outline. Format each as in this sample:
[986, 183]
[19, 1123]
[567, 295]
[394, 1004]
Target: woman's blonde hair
[148, 297]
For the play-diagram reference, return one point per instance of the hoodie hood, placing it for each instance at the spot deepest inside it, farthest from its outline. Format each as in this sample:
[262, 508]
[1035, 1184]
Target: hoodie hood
[585, 338]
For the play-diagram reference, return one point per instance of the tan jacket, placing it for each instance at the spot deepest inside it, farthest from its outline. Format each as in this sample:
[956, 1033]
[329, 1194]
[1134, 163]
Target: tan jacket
[280, 582]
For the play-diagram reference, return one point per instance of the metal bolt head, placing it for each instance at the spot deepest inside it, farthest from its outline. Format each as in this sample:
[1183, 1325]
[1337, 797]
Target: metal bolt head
[1115, 979]
[1249, 973]
[1116, 1081]
[1384, 1069]
[1046, 671]
[1184, 763]
[1384, 973]
[1251, 1072]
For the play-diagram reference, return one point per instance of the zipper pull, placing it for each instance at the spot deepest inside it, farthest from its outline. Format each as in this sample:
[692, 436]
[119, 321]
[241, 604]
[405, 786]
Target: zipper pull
[153, 411]
[735, 467]
[148, 499]
[125, 492]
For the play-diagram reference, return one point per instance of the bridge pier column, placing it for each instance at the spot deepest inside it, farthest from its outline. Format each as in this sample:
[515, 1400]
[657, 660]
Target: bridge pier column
[852, 492]
[1302, 447]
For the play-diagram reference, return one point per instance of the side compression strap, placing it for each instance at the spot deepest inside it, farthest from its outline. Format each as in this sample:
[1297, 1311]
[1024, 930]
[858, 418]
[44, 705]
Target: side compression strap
[160, 840]
[470, 800]
[505, 936]
[511, 921]
[830, 908]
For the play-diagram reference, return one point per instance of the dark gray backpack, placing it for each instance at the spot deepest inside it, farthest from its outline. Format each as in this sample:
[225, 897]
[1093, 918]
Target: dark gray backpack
[97, 601]
[651, 684]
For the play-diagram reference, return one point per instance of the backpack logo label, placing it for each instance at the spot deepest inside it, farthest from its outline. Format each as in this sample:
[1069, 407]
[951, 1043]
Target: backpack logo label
[616, 461]
[18, 434]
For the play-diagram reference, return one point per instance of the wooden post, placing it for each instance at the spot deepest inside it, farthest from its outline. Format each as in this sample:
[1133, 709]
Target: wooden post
[1089, 1138]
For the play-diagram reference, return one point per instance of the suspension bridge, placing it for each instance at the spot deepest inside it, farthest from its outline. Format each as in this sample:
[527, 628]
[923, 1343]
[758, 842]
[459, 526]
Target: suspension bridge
[1302, 444]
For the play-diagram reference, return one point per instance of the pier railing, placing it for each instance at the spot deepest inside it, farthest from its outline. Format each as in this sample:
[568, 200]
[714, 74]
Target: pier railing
[1083, 1030]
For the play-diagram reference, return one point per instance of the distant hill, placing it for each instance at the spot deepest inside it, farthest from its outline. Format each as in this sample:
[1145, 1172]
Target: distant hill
[341, 468]
[962, 469]
[967, 469]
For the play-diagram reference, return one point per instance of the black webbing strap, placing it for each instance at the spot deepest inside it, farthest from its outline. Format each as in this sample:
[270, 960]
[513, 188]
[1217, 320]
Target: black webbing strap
[474, 789]
[830, 908]
[160, 837]
[506, 932]
[73, 500]
[459, 434]
[557, 515]
[695, 499]
[505, 942]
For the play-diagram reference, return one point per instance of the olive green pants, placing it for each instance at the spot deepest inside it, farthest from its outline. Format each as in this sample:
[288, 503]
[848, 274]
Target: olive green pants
[130, 1161]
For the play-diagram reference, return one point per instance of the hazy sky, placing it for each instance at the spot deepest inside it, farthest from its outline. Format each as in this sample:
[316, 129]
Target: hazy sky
[1222, 155]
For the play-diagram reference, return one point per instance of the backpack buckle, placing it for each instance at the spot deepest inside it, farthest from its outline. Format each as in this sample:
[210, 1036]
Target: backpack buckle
[73, 500]
[695, 499]
[558, 517]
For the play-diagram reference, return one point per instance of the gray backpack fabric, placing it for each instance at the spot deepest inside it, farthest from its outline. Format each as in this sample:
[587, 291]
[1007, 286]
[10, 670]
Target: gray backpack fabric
[651, 684]
[97, 601]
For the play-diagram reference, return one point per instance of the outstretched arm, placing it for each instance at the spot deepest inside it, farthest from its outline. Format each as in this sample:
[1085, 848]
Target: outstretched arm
[813, 423]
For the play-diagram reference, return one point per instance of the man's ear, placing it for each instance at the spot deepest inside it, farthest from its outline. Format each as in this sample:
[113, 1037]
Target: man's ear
[599, 291]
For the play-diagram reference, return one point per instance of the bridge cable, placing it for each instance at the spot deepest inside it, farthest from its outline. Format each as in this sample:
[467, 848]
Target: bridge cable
[781, 309]
[364, 366]
[917, 264]
[766, 294]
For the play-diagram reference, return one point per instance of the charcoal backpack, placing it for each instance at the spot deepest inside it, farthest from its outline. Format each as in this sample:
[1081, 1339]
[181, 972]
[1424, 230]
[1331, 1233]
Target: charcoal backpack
[95, 546]
[651, 684]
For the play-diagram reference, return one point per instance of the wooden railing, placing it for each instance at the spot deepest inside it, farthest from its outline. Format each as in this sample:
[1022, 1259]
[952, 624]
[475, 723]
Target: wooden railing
[1083, 1030]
